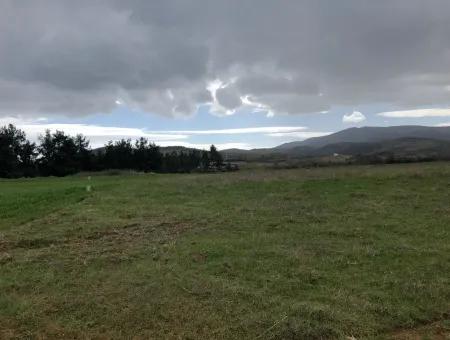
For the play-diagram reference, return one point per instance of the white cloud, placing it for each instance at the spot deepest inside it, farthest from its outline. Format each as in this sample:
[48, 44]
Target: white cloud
[257, 107]
[300, 135]
[355, 117]
[96, 130]
[443, 124]
[20, 120]
[420, 113]
[215, 106]
[251, 130]
[98, 135]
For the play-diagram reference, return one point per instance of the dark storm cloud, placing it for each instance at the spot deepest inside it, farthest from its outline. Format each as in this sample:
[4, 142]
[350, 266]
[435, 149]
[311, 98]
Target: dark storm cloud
[79, 57]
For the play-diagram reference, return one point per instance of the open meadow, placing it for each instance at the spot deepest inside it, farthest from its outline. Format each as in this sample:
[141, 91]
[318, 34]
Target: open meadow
[357, 252]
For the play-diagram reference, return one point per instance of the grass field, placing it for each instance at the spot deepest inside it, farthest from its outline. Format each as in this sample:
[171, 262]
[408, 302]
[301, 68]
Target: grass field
[345, 252]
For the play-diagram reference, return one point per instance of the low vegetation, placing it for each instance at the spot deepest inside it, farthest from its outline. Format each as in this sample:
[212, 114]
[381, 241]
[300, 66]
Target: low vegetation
[355, 252]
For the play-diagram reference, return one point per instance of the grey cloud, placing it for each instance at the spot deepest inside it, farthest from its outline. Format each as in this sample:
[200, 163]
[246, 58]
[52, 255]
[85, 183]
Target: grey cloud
[292, 57]
[229, 97]
[261, 84]
[294, 104]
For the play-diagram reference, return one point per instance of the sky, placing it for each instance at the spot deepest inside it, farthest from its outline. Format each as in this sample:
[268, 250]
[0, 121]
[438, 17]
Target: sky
[236, 73]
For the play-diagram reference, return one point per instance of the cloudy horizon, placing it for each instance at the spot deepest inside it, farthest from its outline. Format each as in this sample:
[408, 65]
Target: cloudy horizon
[244, 74]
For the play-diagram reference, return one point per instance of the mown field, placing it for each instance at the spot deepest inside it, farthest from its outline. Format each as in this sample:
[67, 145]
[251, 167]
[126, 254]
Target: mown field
[333, 253]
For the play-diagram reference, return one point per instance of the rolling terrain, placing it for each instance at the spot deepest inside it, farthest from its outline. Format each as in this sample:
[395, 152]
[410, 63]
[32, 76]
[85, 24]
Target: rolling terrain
[373, 135]
[333, 253]
[366, 144]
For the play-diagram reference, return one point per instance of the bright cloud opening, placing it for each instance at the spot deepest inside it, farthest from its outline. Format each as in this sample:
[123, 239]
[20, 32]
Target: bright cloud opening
[355, 117]
[420, 113]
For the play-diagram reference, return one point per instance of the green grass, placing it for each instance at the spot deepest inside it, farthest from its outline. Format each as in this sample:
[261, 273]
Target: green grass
[258, 254]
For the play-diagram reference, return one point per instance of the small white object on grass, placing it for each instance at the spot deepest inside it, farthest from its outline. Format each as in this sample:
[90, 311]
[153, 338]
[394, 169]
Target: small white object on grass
[88, 187]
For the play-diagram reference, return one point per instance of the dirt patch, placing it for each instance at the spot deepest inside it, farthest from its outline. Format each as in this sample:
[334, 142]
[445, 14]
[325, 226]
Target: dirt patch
[5, 257]
[126, 243]
[199, 257]
[33, 243]
[434, 331]
[115, 245]
[129, 232]
[26, 244]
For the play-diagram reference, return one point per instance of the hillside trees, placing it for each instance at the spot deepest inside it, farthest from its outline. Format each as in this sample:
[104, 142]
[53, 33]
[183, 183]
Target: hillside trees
[58, 154]
[118, 155]
[215, 156]
[123, 154]
[61, 154]
[182, 161]
[204, 160]
[17, 154]
[147, 156]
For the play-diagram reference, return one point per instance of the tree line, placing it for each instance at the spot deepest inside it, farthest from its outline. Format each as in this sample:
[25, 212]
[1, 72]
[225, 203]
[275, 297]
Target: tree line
[59, 154]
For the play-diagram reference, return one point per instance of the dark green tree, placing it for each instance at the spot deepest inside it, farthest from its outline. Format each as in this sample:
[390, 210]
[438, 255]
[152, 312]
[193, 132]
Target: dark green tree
[84, 153]
[215, 156]
[17, 154]
[119, 155]
[60, 154]
[204, 160]
[147, 156]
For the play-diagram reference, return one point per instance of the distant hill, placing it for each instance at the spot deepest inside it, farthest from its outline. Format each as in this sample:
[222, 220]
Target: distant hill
[365, 144]
[400, 147]
[170, 149]
[163, 149]
[371, 135]
[406, 150]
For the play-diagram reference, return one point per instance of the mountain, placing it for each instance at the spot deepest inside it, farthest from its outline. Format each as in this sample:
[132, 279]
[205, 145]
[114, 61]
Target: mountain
[366, 144]
[372, 135]
[345, 148]
[400, 147]
[405, 143]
